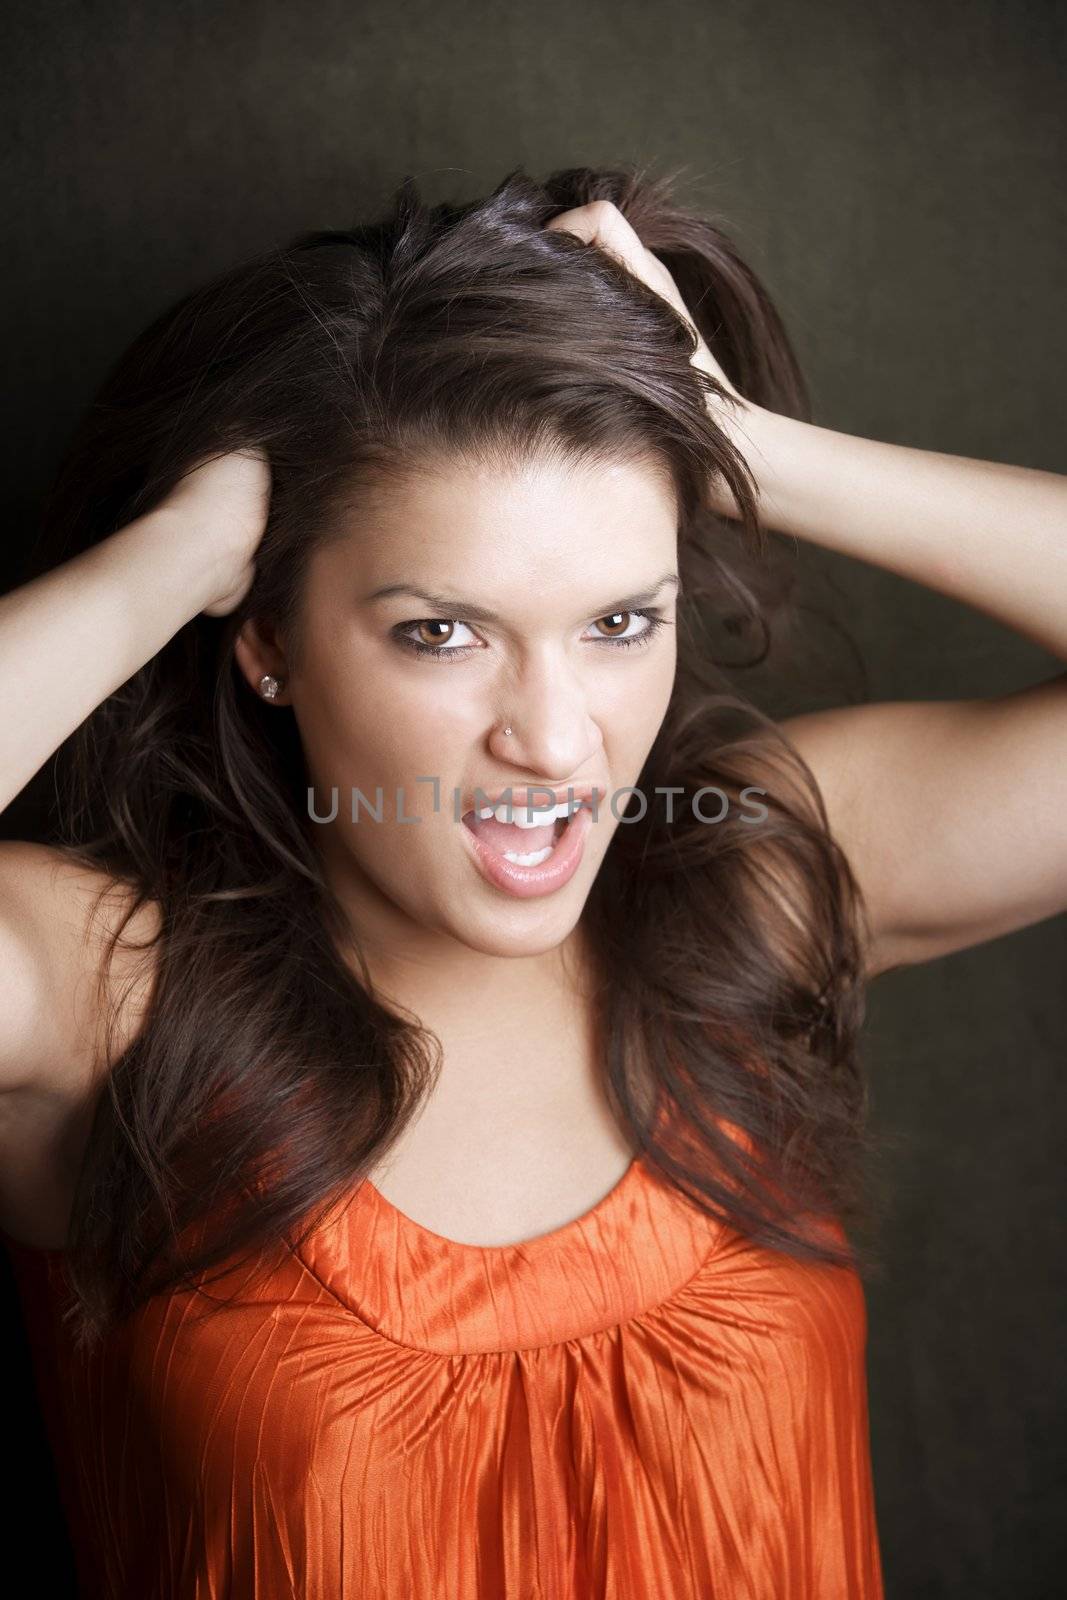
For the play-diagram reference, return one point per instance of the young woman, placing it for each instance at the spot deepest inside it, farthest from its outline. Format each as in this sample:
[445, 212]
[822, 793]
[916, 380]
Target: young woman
[412, 1196]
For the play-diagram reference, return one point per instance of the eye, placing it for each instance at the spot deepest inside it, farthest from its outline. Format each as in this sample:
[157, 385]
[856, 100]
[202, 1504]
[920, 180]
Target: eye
[442, 645]
[441, 630]
[621, 619]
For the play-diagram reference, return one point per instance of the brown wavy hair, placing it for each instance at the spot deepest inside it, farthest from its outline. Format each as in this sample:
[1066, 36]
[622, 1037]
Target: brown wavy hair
[267, 1077]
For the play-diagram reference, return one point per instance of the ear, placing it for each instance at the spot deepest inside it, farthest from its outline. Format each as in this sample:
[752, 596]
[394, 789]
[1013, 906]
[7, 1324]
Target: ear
[257, 651]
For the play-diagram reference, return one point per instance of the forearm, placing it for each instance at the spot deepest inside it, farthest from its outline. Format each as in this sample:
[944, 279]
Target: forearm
[991, 535]
[71, 637]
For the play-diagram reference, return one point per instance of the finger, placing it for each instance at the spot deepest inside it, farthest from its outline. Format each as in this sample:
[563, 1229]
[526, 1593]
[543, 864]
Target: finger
[603, 224]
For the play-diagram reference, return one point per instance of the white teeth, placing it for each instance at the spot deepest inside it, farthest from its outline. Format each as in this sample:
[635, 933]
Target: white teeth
[534, 859]
[529, 816]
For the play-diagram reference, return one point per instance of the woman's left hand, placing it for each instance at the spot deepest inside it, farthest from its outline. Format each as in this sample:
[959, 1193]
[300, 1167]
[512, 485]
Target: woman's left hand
[603, 224]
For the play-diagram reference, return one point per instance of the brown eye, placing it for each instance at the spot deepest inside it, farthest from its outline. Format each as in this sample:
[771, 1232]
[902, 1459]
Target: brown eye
[618, 619]
[616, 635]
[429, 637]
[441, 631]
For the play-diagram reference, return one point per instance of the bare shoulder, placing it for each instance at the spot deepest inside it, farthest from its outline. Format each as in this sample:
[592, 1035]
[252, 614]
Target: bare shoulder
[58, 917]
[59, 986]
[952, 814]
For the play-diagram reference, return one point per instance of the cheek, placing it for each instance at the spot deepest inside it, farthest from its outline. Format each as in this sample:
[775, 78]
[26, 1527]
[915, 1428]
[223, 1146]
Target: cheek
[353, 708]
[390, 742]
[634, 706]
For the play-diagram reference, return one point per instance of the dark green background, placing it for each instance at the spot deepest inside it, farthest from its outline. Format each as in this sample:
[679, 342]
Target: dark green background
[896, 174]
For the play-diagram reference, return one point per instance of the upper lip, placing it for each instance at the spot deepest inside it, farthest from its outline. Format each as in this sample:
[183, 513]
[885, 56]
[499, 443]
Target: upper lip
[536, 795]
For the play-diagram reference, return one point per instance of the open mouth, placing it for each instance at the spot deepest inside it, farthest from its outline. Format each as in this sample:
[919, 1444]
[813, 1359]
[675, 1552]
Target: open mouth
[521, 845]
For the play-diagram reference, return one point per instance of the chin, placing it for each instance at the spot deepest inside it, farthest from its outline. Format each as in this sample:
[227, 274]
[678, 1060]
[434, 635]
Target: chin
[524, 928]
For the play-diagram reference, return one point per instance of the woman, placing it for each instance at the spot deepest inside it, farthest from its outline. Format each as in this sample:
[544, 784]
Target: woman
[412, 1196]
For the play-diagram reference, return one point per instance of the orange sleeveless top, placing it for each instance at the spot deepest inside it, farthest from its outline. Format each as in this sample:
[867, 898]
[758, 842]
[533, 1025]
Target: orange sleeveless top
[639, 1405]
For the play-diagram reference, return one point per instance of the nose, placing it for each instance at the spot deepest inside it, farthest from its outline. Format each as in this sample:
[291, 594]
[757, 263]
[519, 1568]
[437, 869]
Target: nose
[553, 734]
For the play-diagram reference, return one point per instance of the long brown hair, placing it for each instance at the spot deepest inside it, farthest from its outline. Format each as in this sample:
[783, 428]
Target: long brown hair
[268, 1077]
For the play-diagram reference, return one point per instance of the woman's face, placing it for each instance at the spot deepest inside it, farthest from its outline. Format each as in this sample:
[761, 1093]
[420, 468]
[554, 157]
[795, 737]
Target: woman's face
[531, 575]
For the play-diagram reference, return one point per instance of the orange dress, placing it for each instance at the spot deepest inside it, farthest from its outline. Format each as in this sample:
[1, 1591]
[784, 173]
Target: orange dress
[639, 1405]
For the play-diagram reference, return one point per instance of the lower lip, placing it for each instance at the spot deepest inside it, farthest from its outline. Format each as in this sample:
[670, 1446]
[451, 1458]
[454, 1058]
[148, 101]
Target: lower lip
[526, 882]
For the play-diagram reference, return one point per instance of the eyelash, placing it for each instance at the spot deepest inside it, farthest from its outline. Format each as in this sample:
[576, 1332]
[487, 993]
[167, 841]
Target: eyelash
[654, 619]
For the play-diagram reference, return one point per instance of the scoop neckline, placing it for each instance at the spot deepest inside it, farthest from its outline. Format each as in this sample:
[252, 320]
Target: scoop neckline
[595, 1214]
[638, 1245]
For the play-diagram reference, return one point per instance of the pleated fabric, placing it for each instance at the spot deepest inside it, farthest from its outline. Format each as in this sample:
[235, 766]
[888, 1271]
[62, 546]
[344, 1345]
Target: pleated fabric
[640, 1405]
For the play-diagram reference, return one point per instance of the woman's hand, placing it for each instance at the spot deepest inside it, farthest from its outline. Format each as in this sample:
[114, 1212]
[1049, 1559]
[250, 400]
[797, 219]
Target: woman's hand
[223, 501]
[603, 224]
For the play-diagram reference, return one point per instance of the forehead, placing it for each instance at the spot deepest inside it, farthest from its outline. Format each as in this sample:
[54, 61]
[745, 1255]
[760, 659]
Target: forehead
[540, 509]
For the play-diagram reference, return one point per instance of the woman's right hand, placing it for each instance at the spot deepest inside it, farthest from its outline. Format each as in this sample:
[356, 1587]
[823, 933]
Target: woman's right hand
[225, 500]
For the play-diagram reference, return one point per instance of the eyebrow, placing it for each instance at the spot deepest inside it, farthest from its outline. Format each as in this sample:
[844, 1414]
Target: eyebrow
[450, 606]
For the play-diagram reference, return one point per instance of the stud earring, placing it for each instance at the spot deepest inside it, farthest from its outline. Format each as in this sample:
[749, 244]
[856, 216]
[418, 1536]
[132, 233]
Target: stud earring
[269, 686]
[507, 730]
